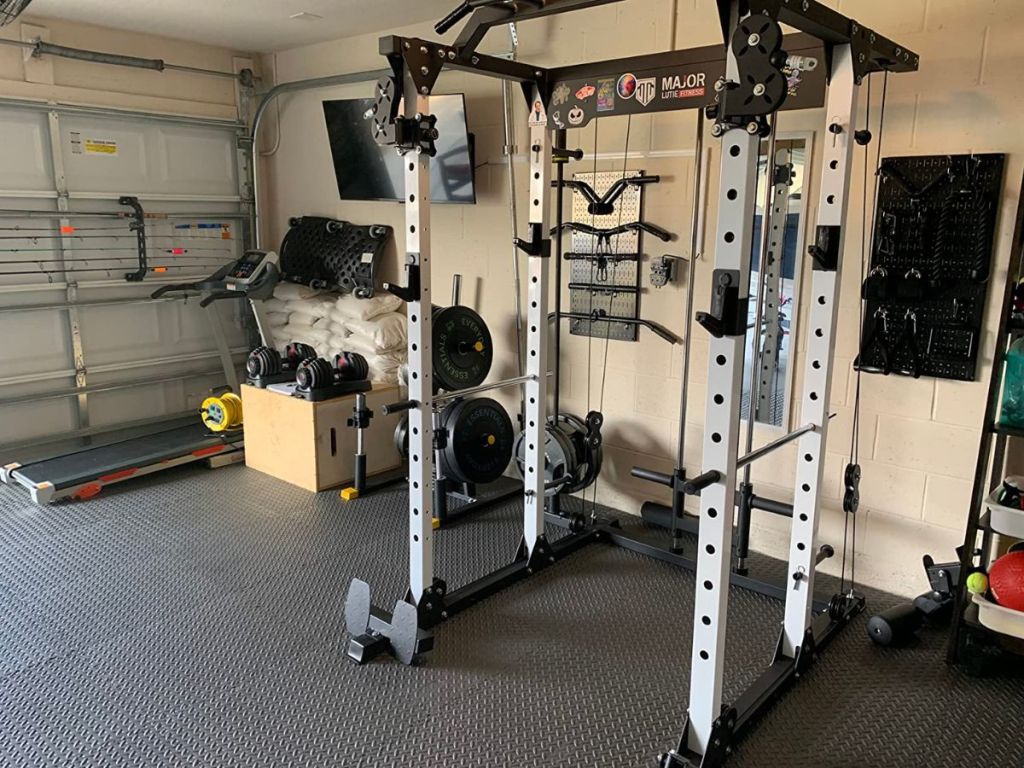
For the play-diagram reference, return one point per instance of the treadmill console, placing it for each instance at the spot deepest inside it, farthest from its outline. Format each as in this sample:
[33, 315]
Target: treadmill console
[249, 269]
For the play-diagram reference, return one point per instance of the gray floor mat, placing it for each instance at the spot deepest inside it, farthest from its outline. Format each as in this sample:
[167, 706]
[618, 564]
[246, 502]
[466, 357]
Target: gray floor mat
[195, 618]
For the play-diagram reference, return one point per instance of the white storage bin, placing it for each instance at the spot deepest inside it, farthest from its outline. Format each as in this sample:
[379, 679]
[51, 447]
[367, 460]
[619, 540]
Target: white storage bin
[999, 619]
[1006, 520]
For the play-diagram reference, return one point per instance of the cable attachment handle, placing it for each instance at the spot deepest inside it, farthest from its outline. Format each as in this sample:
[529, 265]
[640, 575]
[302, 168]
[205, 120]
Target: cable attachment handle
[138, 226]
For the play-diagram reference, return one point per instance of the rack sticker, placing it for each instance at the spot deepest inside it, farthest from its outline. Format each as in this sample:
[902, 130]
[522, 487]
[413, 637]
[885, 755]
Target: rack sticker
[538, 117]
[605, 95]
[684, 81]
[645, 90]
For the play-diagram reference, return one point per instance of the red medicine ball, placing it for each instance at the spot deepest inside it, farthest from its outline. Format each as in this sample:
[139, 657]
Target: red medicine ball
[1006, 580]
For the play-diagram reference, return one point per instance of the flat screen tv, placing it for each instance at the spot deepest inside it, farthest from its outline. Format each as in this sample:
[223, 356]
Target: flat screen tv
[367, 171]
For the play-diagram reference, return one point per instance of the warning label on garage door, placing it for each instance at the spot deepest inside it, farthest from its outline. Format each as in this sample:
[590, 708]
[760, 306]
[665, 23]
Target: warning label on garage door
[91, 146]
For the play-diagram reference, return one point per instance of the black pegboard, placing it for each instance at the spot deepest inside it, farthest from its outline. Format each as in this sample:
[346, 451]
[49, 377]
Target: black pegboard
[334, 254]
[930, 263]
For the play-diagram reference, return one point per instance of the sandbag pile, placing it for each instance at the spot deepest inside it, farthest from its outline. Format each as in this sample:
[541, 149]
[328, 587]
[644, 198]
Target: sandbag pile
[376, 330]
[332, 325]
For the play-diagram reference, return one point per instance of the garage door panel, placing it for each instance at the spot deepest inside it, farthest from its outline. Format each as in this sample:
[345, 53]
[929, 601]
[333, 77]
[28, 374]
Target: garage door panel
[102, 156]
[27, 420]
[132, 404]
[34, 343]
[25, 152]
[163, 399]
[121, 334]
[173, 169]
[199, 161]
[136, 157]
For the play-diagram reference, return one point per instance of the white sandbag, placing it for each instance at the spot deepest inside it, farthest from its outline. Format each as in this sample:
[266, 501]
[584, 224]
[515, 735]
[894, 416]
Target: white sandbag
[274, 304]
[383, 364]
[338, 330]
[317, 307]
[301, 321]
[360, 344]
[348, 306]
[277, 319]
[384, 331]
[318, 339]
[295, 292]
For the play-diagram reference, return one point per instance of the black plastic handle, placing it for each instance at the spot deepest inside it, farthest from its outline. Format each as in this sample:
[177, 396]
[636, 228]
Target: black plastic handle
[218, 295]
[391, 408]
[695, 485]
[165, 289]
[453, 18]
[574, 154]
[649, 474]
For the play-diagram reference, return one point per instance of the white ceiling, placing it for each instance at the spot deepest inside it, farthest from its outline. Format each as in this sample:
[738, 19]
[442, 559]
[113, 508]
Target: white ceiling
[252, 26]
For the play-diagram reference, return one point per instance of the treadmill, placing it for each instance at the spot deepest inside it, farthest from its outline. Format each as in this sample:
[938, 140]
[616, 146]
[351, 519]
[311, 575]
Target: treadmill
[84, 473]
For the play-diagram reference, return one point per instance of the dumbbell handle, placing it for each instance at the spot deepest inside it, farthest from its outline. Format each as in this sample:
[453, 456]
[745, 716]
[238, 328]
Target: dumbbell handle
[405, 405]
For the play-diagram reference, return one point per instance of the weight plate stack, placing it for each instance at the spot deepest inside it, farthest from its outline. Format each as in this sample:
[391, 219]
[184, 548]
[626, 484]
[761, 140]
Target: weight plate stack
[571, 450]
[463, 353]
[402, 437]
[480, 440]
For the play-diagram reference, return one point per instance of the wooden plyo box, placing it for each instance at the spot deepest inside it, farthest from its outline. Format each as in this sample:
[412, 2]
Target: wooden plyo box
[309, 444]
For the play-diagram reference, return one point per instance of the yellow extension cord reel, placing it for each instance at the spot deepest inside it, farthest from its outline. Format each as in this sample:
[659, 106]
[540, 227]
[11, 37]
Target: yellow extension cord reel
[222, 413]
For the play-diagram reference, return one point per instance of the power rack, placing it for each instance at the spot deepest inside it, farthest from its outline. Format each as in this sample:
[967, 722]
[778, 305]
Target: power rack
[740, 88]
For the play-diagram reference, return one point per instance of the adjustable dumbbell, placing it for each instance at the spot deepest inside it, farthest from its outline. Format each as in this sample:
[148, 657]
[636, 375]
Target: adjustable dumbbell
[318, 373]
[267, 361]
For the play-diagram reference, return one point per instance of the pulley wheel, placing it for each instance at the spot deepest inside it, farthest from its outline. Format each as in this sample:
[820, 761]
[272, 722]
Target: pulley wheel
[480, 440]
[462, 348]
[589, 452]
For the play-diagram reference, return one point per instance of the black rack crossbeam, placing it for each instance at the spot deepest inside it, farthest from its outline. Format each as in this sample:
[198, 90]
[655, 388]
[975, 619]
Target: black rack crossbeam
[831, 27]
[439, 56]
[493, 13]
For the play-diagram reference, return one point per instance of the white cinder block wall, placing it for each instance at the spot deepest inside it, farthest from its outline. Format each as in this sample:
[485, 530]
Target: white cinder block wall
[918, 438]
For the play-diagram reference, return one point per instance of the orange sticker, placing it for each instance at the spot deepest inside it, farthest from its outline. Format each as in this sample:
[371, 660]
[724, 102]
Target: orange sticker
[67, 230]
[159, 269]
